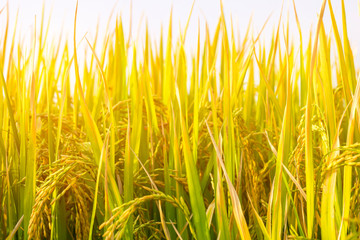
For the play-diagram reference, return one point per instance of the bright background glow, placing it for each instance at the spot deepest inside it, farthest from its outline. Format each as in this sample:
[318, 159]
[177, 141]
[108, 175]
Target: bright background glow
[156, 13]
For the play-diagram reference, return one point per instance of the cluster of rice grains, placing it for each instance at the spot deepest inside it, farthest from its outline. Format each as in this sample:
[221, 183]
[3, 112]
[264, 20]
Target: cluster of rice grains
[146, 141]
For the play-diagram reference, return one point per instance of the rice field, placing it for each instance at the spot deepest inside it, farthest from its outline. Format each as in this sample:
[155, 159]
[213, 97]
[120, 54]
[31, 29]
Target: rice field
[241, 140]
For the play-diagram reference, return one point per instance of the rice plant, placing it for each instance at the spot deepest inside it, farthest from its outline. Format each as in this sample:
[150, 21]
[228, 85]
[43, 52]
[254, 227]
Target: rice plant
[241, 140]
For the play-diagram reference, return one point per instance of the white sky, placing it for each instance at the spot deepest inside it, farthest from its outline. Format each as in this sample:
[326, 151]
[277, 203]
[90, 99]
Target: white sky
[157, 12]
